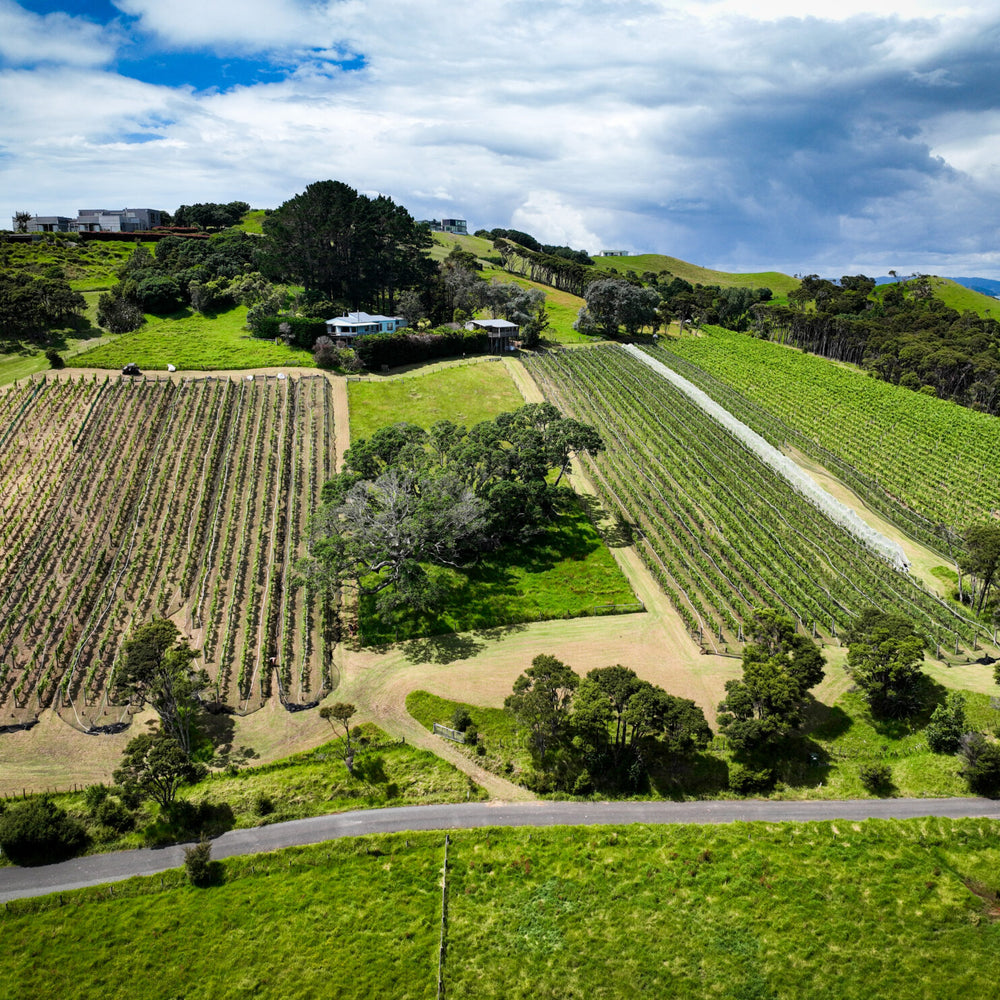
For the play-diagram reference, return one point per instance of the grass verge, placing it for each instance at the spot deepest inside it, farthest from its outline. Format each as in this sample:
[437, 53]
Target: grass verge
[880, 909]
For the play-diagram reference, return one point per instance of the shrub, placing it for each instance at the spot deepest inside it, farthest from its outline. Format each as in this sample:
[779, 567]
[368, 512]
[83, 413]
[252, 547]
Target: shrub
[302, 331]
[875, 777]
[744, 780]
[113, 814]
[947, 725]
[981, 764]
[262, 805]
[38, 832]
[325, 353]
[94, 795]
[198, 863]
[460, 719]
[55, 359]
[118, 314]
[471, 735]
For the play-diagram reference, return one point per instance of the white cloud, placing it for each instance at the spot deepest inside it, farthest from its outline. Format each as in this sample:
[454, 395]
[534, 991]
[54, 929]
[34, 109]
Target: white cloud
[27, 39]
[705, 131]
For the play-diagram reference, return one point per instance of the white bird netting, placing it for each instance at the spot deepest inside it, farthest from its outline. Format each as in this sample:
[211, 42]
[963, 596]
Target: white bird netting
[800, 481]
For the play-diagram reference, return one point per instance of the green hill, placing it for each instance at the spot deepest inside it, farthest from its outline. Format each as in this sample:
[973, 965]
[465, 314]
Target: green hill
[780, 284]
[956, 297]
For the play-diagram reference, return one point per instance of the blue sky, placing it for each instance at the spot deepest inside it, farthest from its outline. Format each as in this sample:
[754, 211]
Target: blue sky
[738, 134]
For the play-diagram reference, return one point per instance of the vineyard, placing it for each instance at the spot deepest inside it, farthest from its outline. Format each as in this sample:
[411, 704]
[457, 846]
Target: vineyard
[121, 500]
[934, 457]
[719, 529]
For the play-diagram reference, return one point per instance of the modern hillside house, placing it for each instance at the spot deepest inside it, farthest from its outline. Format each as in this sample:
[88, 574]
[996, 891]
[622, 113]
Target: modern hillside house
[343, 329]
[457, 226]
[96, 220]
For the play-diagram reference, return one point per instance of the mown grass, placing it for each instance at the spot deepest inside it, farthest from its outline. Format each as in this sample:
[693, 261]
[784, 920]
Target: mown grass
[193, 342]
[464, 394]
[829, 911]
[564, 572]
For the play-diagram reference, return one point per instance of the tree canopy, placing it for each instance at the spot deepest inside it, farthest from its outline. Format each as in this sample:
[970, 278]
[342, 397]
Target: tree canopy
[779, 667]
[352, 249]
[409, 497]
[884, 656]
[157, 669]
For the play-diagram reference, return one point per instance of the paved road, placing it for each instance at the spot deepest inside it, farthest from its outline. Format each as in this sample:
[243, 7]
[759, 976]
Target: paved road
[16, 883]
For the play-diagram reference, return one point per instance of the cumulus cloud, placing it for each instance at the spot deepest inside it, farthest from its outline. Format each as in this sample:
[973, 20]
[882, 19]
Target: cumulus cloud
[731, 134]
[27, 39]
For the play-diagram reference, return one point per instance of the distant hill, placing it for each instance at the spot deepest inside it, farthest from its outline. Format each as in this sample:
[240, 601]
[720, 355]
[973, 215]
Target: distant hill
[780, 284]
[985, 285]
[659, 264]
[958, 296]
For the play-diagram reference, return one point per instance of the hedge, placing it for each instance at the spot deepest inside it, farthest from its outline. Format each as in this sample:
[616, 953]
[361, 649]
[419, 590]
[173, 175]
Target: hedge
[406, 347]
[304, 330]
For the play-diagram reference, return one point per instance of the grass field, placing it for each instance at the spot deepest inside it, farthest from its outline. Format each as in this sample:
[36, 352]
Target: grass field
[252, 222]
[193, 342]
[564, 572]
[831, 911]
[464, 394]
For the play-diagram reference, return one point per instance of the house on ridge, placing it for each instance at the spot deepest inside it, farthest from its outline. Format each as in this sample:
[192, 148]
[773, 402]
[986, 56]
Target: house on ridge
[343, 329]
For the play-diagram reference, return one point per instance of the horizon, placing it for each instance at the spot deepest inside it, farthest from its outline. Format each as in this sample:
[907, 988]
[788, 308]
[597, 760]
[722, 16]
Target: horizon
[743, 137]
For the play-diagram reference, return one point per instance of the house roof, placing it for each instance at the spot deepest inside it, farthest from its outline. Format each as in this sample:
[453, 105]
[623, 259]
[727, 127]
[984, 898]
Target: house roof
[495, 324]
[361, 319]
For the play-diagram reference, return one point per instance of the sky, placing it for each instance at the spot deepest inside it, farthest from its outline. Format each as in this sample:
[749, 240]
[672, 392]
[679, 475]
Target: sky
[812, 137]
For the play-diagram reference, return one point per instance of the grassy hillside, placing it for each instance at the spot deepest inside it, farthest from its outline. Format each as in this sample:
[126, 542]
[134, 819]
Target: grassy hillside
[956, 297]
[252, 221]
[830, 911]
[780, 284]
[193, 342]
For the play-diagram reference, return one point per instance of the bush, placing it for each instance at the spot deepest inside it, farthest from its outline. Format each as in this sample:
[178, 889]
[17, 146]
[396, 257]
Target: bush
[55, 359]
[406, 347]
[745, 780]
[875, 777]
[118, 314]
[198, 864]
[460, 719]
[39, 833]
[947, 725]
[113, 814]
[262, 805]
[981, 764]
[94, 795]
[471, 735]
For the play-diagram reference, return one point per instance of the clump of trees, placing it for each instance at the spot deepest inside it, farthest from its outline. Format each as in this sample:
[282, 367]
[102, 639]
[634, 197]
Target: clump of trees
[613, 303]
[779, 667]
[32, 305]
[346, 247]
[884, 656]
[409, 498]
[211, 215]
[38, 832]
[601, 733]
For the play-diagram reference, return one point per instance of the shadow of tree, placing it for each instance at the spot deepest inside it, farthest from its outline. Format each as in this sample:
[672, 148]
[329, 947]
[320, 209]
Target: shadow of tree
[455, 646]
[617, 535]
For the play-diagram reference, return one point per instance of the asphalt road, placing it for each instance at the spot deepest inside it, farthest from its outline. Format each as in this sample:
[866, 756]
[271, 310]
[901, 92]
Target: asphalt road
[16, 883]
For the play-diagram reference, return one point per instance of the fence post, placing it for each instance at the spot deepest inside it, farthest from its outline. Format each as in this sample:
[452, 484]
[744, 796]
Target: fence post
[444, 918]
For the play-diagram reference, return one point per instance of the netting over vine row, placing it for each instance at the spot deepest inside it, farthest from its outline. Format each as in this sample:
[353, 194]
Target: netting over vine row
[883, 547]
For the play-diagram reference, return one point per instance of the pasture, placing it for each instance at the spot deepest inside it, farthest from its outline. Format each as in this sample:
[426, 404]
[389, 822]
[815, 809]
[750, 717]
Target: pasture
[832, 911]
